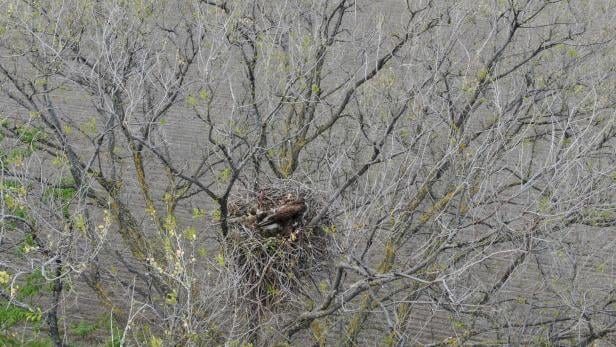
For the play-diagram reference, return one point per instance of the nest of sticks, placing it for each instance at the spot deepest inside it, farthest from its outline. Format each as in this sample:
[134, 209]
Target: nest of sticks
[272, 247]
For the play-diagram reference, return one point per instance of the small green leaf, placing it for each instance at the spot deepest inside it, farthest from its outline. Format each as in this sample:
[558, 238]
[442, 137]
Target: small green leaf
[172, 298]
[225, 174]
[80, 223]
[39, 83]
[330, 229]
[323, 286]
[204, 95]
[544, 204]
[89, 127]
[191, 101]
[198, 213]
[190, 233]
[84, 329]
[220, 259]
[482, 74]
[216, 215]
[170, 224]
[5, 277]
[156, 342]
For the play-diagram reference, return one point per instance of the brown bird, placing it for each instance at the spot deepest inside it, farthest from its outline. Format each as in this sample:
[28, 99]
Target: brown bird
[283, 214]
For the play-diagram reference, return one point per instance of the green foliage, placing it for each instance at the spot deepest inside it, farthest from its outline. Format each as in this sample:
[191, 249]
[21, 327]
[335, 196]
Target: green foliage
[12, 192]
[115, 335]
[225, 174]
[34, 283]
[272, 291]
[457, 324]
[216, 215]
[83, 329]
[579, 88]
[27, 245]
[172, 298]
[482, 74]
[170, 224]
[16, 156]
[190, 233]
[323, 286]
[330, 229]
[80, 223]
[29, 135]
[89, 127]
[12, 315]
[10, 185]
[8, 341]
[191, 101]
[5, 277]
[602, 267]
[62, 195]
[40, 82]
[220, 259]
[204, 95]
[544, 204]
[198, 213]
[306, 42]
[40, 342]
[238, 343]
[156, 342]
[36, 342]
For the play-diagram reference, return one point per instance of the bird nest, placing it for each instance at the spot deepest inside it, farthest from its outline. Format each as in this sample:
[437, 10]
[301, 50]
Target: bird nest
[272, 245]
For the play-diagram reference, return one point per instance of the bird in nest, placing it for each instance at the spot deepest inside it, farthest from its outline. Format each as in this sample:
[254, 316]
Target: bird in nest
[278, 220]
[283, 215]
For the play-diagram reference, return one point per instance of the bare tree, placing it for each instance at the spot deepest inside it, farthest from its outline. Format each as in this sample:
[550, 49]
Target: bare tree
[459, 158]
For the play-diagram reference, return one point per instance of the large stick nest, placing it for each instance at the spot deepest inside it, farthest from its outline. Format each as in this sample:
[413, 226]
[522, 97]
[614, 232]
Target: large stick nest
[271, 245]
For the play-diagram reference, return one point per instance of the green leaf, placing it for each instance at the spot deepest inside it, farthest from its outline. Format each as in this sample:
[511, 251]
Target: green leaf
[330, 229]
[34, 283]
[62, 195]
[216, 215]
[198, 213]
[482, 74]
[156, 342]
[27, 245]
[12, 315]
[225, 174]
[172, 298]
[84, 329]
[29, 135]
[220, 259]
[80, 223]
[191, 101]
[5, 277]
[89, 127]
[190, 233]
[204, 95]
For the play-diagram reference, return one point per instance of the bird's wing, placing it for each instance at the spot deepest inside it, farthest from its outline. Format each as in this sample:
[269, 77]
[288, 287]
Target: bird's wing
[283, 213]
